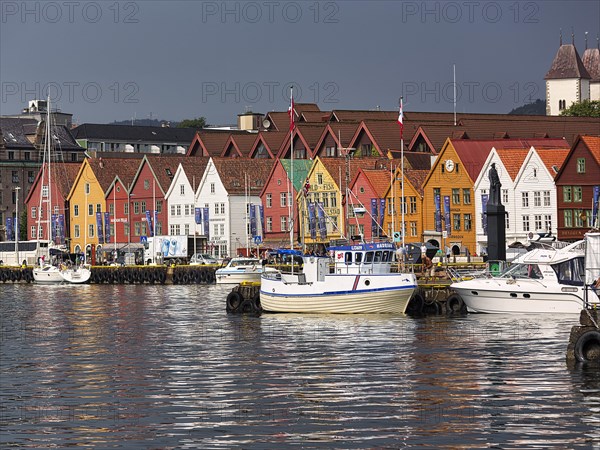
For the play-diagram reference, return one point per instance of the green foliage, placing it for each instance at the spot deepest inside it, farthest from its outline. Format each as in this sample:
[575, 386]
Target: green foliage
[586, 108]
[22, 226]
[537, 108]
[199, 122]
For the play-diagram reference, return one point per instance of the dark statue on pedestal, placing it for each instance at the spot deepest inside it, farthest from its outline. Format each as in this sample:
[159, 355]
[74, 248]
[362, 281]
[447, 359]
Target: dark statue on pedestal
[496, 218]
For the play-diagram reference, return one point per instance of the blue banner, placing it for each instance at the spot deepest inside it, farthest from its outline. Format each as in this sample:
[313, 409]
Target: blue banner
[261, 213]
[322, 223]
[107, 227]
[155, 222]
[252, 221]
[381, 211]
[9, 229]
[438, 214]
[312, 226]
[484, 202]
[206, 222]
[53, 225]
[149, 220]
[595, 205]
[447, 214]
[373, 217]
[198, 215]
[100, 228]
[61, 228]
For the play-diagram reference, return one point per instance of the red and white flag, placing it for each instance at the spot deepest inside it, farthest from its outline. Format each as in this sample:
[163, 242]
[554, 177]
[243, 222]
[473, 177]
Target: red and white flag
[401, 119]
[291, 111]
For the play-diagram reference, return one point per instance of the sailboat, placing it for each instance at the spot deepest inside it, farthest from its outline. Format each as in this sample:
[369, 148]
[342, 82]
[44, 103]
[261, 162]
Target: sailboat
[45, 272]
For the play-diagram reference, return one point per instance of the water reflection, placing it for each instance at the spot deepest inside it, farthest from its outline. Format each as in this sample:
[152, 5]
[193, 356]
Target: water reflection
[138, 366]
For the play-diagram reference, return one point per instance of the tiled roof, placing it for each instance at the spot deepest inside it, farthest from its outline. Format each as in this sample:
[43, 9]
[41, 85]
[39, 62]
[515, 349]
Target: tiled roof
[553, 158]
[301, 168]
[416, 178]
[14, 133]
[271, 139]
[194, 169]
[106, 169]
[134, 133]
[380, 180]
[417, 160]
[567, 64]
[385, 133]
[243, 142]
[335, 165]
[314, 116]
[162, 166]
[301, 108]
[308, 132]
[512, 159]
[591, 61]
[280, 120]
[593, 143]
[347, 115]
[232, 173]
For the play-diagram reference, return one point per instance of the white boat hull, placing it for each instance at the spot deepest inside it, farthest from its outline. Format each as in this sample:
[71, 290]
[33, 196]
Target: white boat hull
[343, 294]
[47, 274]
[76, 276]
[505, 296]
[237, 277]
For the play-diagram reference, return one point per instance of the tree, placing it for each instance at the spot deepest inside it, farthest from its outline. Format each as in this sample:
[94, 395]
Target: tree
[199, 122]
[586, 108]
[22, 226]
[537, 108]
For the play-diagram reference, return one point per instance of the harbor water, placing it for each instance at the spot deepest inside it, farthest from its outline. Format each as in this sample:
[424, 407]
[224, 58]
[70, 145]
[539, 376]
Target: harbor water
[138, 366]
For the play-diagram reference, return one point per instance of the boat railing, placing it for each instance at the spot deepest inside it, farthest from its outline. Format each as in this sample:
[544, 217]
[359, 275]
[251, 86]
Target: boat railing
[457, 275]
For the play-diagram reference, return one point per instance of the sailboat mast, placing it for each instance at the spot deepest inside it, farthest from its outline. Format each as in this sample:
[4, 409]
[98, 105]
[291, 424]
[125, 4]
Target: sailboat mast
[49, 145]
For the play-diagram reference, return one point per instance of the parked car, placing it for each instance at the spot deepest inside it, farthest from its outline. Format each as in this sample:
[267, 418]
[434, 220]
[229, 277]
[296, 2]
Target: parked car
[202, 258]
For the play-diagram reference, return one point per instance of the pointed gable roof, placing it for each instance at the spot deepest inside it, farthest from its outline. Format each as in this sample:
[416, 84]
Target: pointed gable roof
[271, 140]
[163, 168]
[232, 174]
[308, 133]
[335, 165]
[301, 169]
[239, 145]
[343, 131]
[591, 61]
[63, 176]
[567, 64]
[379, 179]
[105, 170]
[279, 120]
[314, 116]
[416, 178]
[512, 160]
[553, 158]
[194, 168]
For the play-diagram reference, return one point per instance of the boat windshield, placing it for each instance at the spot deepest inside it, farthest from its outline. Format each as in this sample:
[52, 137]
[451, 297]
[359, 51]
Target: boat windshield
[531, 271]
[243, 262]
[570, 272]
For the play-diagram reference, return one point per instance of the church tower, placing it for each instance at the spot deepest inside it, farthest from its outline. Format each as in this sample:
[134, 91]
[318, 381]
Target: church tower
[591, 61]
[567, 81]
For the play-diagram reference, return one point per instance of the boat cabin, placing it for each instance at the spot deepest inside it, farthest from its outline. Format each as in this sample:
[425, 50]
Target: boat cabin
[370, 258]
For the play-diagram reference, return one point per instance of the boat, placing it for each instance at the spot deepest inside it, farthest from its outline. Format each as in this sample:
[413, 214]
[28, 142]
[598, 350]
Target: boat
[241, 269]
[352, 279]
[543, 280]
[45, 271]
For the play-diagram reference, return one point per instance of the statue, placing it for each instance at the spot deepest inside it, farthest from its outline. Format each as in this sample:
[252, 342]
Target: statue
[495, 186]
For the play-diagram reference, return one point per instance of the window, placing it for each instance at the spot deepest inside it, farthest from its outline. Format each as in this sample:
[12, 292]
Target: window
[172, 230]
[505, 196]
[182, 189]
[283, 199]
[45, 191]
[158, 206]
[525, 223]
[580, 165]
[33, 212]
[111, 209]
[546, 198]
[413, 204]
[126, 230]
[136, 207]
[467, 196]
[222, 229]
[172, 210]
[578, 216]
[186, 229]
[87, 188]
[413, 229]
[143, 206]
[223, 208]
[91, 230]
[269, 200]
[456, 220]
[98, 207]
[269, 224]
[568, 216]
[126, 208]
[11, 155]
[537, 221]
[90, 210]
[332, 200]
[567, 197]
[30, 176]
[284, 226]
[330, 152]
[455, 196]
[32, 232]
[468, 222]
[548, 222]
[212, 188]
[178, 210]
[525, 199]
[319, 178]
[216, 208]
[76, 231]
[144, 229]
[507, 222]
[158, 228]
[146, 184]
[577, 194]
[537, 199]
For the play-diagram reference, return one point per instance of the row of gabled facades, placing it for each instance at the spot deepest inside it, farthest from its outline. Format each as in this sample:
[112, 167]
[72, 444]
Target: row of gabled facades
[110, 201]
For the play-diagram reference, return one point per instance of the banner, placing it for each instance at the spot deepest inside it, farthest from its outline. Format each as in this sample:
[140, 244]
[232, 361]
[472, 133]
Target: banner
[381, 212]
[373, 217]
[447, 214]
[198, 215]
[484, 202]
[595, 205]
[149, 221]
[100, 228]
[206, 222]
[252, 221]
[61, 228]
[155, 222]
[438, 214]
[107, 228]
[261, 214]
[312, 226]
[9, 229]
[322, 222]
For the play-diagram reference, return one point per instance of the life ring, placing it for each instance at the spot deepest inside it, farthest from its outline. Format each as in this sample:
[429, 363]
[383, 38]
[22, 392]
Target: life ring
[587, 347]
[234, 301]
[455, 304]
[415, 304]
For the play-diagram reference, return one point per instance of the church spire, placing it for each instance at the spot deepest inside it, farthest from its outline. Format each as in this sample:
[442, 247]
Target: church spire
[561, 36]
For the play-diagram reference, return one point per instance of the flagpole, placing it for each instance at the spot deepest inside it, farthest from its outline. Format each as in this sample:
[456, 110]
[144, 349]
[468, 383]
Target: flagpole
[291, 190]
[402, 203]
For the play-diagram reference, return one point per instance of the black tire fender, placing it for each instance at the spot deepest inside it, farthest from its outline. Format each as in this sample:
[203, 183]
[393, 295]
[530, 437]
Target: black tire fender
[455, 304]
[234, 301]
[587, 347]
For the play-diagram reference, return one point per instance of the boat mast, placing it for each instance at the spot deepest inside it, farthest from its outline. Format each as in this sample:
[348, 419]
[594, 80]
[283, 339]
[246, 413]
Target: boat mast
[49, 147]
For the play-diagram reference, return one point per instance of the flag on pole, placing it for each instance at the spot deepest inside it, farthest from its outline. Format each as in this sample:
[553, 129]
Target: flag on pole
[291, 111]
[401, 119]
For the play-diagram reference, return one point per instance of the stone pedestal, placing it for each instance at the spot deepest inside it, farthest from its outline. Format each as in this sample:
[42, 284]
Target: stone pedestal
[496, 232]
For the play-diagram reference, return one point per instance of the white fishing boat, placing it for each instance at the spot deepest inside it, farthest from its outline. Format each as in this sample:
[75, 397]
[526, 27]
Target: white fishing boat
[358, 280]
[44, 271]
[544, 280]
[240, 270]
